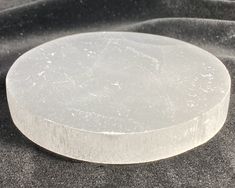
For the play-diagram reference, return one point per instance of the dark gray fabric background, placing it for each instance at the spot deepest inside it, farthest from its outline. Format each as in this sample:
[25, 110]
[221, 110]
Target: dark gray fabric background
[24, 24]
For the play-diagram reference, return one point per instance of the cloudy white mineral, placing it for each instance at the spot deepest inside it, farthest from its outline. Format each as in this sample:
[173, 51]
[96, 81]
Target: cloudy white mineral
[118, 97]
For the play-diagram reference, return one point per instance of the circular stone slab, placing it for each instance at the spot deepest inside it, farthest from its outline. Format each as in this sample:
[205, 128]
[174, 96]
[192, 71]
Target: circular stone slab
[118, 97]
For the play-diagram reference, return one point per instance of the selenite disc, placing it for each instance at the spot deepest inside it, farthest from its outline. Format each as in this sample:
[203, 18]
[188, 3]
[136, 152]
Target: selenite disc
[118, 97]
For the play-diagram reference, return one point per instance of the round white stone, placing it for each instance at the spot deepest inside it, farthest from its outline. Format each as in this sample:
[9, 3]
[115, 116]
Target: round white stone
[118, 97]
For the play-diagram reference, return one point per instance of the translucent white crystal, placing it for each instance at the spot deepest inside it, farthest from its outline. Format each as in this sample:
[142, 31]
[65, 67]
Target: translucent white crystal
[118, 97]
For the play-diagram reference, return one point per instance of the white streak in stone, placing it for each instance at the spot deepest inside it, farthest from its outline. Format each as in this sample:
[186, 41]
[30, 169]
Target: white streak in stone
[116, 84]
[141, 54]
[48, 120]
[41, 73]
[92, 94]
[28, 77]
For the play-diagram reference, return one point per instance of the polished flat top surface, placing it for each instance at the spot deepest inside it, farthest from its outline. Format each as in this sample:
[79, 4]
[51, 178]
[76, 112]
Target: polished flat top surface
[118, 82]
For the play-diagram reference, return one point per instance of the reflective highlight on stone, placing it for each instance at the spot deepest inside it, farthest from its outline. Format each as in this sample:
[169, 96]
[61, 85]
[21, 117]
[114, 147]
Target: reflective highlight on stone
[118, 97]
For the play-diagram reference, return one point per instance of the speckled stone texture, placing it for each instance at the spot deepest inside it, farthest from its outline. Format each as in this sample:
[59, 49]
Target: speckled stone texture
[208, 24]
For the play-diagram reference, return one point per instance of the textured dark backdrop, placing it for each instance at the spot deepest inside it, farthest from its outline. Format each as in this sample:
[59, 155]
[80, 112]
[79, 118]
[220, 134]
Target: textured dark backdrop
[27, 23]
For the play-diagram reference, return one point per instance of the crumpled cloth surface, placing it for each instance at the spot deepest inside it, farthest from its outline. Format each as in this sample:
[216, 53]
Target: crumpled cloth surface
[25, 24]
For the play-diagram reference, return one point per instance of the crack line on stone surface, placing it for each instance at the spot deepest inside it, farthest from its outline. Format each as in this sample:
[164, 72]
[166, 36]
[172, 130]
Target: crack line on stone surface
[141, 54]
[155, 60]
[90, 70]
